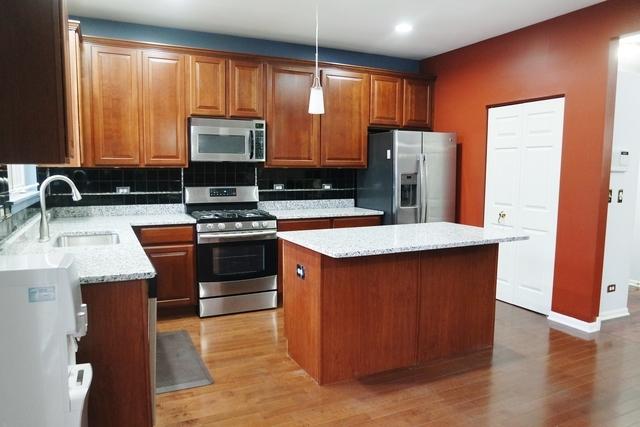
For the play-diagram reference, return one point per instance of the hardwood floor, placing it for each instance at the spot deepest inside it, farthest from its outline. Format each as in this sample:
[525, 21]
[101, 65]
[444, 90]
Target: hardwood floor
[535, 376]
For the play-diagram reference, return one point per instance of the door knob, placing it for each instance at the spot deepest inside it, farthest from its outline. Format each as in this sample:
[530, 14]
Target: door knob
[501, 216]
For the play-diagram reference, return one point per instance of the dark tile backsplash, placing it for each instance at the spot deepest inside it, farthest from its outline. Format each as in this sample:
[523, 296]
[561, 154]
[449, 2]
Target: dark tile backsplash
[148, 186]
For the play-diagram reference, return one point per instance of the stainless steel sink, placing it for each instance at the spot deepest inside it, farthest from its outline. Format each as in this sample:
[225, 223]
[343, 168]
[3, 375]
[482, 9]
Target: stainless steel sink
[99, 238]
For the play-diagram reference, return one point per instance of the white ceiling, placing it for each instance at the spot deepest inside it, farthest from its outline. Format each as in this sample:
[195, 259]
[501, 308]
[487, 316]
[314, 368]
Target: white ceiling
[360, 25]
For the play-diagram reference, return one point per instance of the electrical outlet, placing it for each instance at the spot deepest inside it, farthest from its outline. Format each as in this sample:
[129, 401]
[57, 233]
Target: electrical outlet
[611, 288]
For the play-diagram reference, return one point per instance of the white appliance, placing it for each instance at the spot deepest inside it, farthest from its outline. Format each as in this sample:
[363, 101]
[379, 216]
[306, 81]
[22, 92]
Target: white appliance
[41, 318]
[226, 140]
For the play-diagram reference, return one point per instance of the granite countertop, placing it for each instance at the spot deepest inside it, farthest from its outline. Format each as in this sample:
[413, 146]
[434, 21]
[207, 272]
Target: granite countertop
[96, 264]
[389, 239]
[323, 213]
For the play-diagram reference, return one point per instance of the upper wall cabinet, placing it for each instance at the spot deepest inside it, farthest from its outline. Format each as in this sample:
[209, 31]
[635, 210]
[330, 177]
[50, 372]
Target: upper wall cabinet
[418, 101]
[136, 107]
[222, 87]
[386, 100]
[115, 106]
[207, 76]
[163, 108]
[246, 88]
[35, 77]
[343, 127]
[293, 135]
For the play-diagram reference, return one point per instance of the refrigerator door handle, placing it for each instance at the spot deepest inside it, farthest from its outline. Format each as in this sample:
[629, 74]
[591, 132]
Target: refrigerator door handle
[424, 173]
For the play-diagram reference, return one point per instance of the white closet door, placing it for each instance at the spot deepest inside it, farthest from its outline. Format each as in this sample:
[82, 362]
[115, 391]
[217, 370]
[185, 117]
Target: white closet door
[524, 152]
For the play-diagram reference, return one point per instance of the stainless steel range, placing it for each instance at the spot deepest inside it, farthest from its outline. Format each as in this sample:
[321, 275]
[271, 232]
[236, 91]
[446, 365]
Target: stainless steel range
[236, 250]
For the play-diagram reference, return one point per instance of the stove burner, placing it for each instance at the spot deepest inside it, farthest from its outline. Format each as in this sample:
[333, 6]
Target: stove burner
[230, 215]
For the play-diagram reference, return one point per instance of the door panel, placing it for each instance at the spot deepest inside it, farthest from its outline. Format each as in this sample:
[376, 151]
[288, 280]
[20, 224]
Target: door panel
[175, 280]
[208, 85]
[439, 150]
[293, 135]
[246, 88]
[524, 151]
[417, 103]
[344, 124]
[164, 109]
[386, 101]
[406, 203]
[115, 105]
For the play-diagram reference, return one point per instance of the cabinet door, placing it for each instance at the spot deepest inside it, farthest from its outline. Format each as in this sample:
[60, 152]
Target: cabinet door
[344, 124]
[163, 109]
[246, 88]
[293, 137]
[418, 95]
[115, 105]
[175, 280]
[208, 85]
[386, 101]
[74, 130]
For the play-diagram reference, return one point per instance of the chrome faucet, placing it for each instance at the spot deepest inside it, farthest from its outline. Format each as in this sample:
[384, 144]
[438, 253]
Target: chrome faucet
[44, 224]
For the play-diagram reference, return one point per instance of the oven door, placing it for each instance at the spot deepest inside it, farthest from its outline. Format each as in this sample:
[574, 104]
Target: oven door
[222, 144]
[236, 263]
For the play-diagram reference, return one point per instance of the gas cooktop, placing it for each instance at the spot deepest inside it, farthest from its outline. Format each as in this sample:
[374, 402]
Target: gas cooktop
[228, 215]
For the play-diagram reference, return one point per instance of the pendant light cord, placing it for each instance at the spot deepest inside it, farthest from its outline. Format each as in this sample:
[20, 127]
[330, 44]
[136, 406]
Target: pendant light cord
[317, 72]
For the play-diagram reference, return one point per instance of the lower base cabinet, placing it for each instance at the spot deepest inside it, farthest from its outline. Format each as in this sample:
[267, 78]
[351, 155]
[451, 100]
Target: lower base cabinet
[171, 251]
[117, 346]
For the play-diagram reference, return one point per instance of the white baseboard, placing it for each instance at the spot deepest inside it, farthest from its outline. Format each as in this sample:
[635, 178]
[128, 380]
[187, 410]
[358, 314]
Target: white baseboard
[634, 283]
[574, 323]
[613, 314]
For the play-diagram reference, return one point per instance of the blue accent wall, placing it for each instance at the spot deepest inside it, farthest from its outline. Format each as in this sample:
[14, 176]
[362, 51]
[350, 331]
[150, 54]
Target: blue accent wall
[148, 33]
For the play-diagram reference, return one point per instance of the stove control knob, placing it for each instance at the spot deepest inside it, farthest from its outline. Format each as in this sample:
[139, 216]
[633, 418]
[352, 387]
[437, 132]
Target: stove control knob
[265, 224]
[209, 226]
[238, 225]
[221, 226]
[255, 224]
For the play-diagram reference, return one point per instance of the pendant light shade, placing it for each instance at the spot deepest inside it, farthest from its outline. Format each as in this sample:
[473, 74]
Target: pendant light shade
[316, 97]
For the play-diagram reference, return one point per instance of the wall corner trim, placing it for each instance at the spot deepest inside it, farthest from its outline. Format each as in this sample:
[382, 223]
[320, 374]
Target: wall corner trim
[613, 314]
[574, 323]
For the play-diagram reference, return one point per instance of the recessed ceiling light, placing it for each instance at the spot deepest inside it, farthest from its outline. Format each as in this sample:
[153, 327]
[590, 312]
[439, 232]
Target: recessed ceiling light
[403, 27]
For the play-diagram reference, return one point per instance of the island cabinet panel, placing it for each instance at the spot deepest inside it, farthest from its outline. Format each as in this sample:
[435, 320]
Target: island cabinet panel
[293, 135]
[246, 88]
[115, 73]
[386, 100]
[302, 299]
[418, 103]
[368, 324]
[457, 301]
[344, 124]
[117, 346]
[163, 90]
[207, 82]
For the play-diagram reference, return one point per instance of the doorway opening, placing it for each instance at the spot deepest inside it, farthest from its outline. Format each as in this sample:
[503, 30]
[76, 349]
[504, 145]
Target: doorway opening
[621, 266]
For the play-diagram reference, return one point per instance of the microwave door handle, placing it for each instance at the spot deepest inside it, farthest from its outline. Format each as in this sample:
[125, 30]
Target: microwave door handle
[252, 145]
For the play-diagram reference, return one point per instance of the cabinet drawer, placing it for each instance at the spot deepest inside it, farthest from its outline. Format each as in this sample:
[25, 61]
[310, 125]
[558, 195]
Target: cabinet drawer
[159, 235]
[304, 224]
[357, 221]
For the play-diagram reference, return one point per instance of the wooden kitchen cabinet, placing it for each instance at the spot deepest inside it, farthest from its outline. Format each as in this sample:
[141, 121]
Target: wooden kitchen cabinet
[175, 269]
[171, 251]
[136, 107]
[115, 106]
[418, 102]
[34, 88]
[344, 125]
[207, 81]
[293, 135]
[163, 106]
[386, 101]
[246, 88]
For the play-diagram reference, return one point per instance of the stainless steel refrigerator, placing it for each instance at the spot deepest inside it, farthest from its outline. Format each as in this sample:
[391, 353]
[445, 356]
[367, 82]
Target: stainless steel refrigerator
[411, 176]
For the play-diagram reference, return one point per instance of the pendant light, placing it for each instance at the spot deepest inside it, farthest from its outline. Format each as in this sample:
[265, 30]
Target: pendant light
[316, 98]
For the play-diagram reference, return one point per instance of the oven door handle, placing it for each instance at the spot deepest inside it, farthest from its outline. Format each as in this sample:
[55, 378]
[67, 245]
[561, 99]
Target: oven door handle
[235, 237]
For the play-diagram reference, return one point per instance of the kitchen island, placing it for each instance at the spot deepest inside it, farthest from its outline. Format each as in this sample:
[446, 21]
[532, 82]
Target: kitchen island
[363, 300]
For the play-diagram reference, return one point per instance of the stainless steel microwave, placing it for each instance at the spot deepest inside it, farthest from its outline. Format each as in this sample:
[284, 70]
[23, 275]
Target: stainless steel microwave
[224, 140]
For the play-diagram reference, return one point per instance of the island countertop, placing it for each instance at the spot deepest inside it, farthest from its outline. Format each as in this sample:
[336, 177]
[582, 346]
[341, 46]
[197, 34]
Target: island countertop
[389, 239]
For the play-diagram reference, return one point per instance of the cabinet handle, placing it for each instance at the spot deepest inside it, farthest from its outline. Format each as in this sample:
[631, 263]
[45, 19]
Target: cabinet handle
[300, 271]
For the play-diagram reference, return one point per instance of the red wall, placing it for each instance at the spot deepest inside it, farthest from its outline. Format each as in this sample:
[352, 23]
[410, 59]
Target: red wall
[569, 56]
